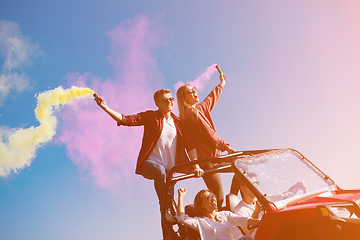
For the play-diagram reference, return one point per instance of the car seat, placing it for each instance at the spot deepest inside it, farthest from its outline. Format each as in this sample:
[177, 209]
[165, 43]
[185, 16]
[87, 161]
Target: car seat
[191, 212]
[231, 201]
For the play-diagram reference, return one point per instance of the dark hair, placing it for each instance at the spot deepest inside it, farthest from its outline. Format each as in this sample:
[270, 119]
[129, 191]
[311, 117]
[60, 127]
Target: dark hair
[159, 93]
[198, 201]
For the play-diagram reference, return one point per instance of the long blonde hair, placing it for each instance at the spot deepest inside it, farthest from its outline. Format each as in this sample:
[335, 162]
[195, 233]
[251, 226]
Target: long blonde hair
[182, 104]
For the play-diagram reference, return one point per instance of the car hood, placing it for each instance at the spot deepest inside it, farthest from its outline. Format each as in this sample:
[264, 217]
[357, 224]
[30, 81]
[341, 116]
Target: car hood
[328, 197]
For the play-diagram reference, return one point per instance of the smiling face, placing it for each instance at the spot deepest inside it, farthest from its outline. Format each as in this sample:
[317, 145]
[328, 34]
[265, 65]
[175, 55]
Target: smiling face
[190, 95]
[165, 102]
[209, 201]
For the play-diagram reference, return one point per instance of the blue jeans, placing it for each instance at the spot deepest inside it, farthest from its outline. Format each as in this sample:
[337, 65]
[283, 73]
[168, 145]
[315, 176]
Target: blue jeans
[246, 237]
[155, 171]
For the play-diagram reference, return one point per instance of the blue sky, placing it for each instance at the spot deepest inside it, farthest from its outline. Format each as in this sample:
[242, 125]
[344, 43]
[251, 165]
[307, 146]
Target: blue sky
[293, 79]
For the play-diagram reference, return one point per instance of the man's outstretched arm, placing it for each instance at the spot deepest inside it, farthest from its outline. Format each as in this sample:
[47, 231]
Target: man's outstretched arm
[100, 101]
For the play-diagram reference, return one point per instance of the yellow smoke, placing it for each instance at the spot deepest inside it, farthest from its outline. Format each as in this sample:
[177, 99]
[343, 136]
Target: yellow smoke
[19, 150]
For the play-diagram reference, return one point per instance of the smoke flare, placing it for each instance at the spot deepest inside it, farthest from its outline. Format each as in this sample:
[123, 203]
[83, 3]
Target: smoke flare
[200, 81]
[104, 153]
[18, 151]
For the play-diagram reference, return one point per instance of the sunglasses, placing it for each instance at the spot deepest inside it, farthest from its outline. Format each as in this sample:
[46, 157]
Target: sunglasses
[192, 90]
[211, 196]
[171, 99]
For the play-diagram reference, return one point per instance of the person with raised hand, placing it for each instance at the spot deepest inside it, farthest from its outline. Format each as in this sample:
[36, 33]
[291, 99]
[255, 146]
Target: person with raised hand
[210, 223]
[164, 141]
[198, 120]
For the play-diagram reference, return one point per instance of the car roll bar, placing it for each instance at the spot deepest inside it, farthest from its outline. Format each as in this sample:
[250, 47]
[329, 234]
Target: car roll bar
[224, 160]
[227, 159]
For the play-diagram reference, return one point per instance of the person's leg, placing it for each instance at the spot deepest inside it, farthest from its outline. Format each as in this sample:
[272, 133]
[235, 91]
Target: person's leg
[157, 172]
[246, 237]
[213, 182]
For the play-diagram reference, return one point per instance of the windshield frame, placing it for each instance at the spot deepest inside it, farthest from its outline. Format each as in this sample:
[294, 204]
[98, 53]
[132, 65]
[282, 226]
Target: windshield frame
[262, 197]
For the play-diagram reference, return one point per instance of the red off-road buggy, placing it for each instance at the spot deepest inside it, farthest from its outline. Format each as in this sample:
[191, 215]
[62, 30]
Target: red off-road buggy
[319, 210]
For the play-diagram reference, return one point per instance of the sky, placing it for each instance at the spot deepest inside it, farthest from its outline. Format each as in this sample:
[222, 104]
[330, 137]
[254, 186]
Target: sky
[67, 170]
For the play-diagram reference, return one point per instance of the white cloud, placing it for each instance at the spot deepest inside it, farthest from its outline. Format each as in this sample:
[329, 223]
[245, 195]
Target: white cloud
[17, 52]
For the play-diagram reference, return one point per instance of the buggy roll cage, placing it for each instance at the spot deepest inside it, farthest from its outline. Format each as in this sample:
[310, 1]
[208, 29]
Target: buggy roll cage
[226, 165]
[225, 159]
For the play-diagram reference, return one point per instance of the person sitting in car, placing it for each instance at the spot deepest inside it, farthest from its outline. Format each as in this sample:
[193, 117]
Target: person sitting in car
[248, 206]
[212, 224]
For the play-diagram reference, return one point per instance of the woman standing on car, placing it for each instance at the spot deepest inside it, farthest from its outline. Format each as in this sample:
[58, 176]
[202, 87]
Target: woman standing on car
[212, 224]
[197, 118]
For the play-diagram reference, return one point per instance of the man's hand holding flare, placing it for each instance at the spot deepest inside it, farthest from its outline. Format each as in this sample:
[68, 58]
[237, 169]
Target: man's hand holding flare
[99, 101]
[115, 115]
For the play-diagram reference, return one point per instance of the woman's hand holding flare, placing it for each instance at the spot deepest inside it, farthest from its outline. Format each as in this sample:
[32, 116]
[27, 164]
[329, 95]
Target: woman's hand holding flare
[222, 80]
[221, 76]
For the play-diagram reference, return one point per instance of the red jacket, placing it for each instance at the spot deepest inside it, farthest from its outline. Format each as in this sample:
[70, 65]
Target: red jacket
[202, 131]
[153, 125]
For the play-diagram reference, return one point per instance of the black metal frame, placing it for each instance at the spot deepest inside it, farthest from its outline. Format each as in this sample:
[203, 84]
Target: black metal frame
[225, 165]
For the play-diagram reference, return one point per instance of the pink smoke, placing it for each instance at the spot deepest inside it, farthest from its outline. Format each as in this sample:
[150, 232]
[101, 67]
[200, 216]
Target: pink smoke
[104, 152]
[201, 81]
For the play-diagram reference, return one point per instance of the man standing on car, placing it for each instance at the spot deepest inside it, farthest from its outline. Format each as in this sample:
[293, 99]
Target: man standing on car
[163, 144]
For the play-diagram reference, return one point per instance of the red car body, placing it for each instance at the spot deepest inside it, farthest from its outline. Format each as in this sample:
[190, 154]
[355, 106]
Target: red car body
[316, 208]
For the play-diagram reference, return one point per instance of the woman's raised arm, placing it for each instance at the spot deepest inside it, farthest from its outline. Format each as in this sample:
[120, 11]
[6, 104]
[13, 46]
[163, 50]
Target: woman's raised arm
[181, 193]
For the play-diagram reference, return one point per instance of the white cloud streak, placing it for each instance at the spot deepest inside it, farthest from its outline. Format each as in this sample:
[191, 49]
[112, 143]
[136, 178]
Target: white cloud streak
[17, 52]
